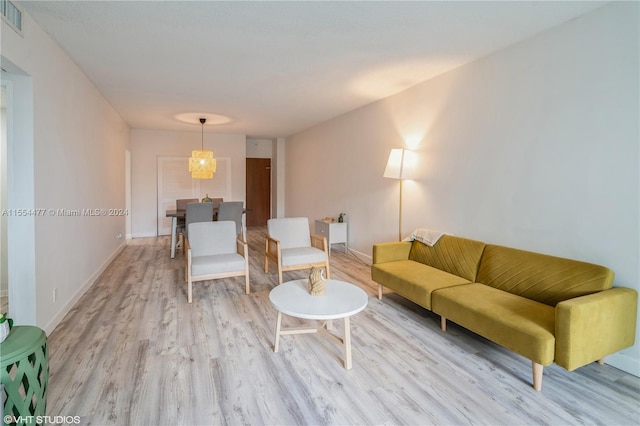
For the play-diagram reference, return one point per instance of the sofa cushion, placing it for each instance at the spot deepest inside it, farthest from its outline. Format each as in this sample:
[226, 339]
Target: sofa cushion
[519, 324]
[455, 255]
[414, 280]
[540, 277]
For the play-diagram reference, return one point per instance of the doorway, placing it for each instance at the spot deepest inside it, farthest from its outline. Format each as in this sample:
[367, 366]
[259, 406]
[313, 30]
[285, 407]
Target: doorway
[258, 191]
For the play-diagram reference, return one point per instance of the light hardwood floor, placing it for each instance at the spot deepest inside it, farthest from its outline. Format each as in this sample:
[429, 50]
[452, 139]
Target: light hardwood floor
[134, 352]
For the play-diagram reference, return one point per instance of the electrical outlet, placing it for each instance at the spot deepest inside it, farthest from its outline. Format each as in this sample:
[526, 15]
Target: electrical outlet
[119, 236]
[55, 295]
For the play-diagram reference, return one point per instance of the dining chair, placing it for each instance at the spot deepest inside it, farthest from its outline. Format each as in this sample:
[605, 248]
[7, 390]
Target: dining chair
[214, 251]
[216, 202]
[233, 210]
[181, 204]
[198, 212]
[290, 245]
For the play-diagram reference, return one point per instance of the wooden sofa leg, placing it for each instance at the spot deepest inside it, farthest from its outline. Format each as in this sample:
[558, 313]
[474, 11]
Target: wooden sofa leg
[443, 323]
[379, 291]
[537, 375]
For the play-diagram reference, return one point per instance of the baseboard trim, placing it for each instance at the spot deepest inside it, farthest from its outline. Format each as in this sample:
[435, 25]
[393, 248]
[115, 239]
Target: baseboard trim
[144, 235]
[363, 257]
[48, 329]
[624, 362]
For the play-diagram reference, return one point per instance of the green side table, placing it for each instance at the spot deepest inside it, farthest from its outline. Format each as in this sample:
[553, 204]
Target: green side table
[24, 369]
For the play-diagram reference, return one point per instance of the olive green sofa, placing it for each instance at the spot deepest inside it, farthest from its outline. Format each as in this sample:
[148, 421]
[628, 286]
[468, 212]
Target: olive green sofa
[545, 308]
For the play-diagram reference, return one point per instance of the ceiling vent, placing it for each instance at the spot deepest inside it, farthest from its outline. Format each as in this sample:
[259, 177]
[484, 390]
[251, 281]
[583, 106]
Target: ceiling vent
[11, 15]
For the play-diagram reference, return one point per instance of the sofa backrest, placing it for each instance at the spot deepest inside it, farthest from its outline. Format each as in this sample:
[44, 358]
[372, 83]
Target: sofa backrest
[540, 277]
[455, 255]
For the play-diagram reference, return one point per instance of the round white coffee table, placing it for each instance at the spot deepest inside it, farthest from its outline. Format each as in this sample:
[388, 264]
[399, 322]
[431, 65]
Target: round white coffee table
[341, 300]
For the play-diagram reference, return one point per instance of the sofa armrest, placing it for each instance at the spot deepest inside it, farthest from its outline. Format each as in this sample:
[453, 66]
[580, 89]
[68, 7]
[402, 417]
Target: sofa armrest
[588, 328]
[390, 252]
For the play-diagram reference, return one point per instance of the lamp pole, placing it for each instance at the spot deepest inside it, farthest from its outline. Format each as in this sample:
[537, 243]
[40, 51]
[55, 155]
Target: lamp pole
[400, 213]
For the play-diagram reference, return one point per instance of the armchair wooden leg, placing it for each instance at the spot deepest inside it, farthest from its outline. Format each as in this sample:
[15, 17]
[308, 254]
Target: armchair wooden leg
[328, 271]
[537, 375]
[186, 265]
[246, 284]
[189, 290]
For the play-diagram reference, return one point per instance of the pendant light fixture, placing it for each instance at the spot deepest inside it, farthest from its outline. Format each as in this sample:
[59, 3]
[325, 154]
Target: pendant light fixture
[202, 165]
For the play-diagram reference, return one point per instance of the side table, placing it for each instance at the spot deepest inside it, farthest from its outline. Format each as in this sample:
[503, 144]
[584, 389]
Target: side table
[335, 232]
[24, 366]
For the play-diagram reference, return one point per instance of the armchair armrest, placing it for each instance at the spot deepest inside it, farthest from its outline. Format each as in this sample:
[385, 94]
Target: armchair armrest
[187, 259]
[271, 252]
[242, 247]
[319, 242]
[390, 252]
[272, 247]
[588, 328]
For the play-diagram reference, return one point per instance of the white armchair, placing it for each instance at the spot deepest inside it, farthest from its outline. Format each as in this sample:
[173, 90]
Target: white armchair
[214, 251]
[291, 246]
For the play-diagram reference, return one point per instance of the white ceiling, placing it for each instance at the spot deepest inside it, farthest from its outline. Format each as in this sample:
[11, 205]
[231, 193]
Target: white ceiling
[276, 68]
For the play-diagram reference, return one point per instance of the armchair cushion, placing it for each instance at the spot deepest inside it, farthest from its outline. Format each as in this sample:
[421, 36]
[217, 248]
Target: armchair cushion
[291, 232]
[207, 240]
[217, 264]
[302, 255]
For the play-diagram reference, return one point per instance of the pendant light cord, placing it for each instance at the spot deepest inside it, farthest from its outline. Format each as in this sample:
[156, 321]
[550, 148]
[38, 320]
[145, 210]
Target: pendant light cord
[202, 121]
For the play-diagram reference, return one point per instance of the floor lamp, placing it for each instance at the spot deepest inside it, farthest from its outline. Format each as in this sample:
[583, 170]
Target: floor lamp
[399, 168]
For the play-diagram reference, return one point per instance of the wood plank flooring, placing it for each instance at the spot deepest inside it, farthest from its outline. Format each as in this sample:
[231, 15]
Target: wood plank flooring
[134, 352]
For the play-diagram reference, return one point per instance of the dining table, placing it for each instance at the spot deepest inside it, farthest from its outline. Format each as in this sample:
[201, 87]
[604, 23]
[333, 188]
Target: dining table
[175, 214]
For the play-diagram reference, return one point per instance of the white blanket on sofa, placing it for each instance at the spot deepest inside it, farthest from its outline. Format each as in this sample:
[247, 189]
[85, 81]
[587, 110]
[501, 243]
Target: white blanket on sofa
[426, 236]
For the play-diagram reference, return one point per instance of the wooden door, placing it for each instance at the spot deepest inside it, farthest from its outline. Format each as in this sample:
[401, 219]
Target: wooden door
[258, 191]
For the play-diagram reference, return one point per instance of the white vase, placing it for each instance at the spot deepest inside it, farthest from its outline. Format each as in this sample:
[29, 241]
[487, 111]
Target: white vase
[4, 330]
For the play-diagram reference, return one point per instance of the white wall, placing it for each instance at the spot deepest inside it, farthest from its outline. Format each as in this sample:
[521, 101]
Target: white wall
[147, 145]
[71, 156]
[259, 148]
[4, 276]
[535, 146]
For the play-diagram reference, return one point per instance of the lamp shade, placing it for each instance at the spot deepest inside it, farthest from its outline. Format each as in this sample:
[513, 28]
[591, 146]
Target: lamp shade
[400, 164]
[202, 165]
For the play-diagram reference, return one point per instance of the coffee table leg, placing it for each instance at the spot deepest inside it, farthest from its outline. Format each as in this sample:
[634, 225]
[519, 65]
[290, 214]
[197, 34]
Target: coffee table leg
[329, 325]
[347, 343]
[278, 323]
